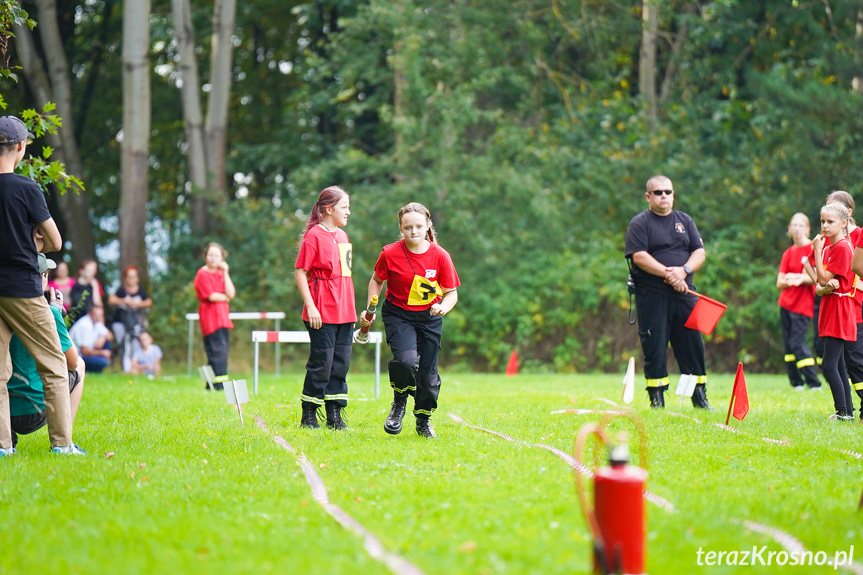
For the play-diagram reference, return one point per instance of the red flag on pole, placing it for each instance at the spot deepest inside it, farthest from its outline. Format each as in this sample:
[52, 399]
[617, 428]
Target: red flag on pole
[512, 364]
[706, 313]
[739, 397]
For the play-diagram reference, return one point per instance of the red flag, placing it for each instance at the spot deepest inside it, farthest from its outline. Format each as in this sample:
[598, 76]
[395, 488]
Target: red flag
[705, 315]
[512, 364]
[739, 397]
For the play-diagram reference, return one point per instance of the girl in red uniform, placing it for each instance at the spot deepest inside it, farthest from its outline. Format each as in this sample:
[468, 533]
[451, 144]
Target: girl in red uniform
[323, 275]
[214, 289]
[421, 289]
[795, 303]
[854, 350]
[836, 322]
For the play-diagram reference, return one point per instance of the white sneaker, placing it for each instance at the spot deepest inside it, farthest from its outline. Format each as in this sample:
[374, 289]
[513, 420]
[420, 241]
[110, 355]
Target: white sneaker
[69, 450]
[4, 451]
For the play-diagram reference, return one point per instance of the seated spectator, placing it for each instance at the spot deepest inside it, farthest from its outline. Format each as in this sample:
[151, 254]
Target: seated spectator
[26, 392]
[146, 356]
[93, 339]
[86, 292]
[131, 301]
[59, 280]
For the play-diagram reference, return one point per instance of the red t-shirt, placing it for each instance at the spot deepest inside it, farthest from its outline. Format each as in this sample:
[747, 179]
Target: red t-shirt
[214, 314]
[415, 282]
[327, 257]
[796, 299]
[836, 317]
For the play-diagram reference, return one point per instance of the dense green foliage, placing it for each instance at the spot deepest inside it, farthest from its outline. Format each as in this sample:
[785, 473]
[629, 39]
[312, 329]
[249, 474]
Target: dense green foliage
[520, 125]
[186, 489]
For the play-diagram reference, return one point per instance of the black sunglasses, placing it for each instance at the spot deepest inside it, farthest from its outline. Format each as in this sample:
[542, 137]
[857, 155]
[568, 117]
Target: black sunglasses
[660, 192]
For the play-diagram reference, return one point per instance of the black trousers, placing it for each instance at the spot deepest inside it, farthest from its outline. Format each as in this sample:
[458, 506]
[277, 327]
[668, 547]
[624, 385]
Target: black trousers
[661, 320]
[414, 338]
[216, 346]
[817, 342]
[799, 362]
[836, 375]
[329, 361]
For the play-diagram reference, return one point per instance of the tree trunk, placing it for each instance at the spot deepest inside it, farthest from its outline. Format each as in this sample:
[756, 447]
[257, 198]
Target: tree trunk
[136, 134]
[192, 116]
[221, 74]
[74, 215]
[647, 61]
[857, 81]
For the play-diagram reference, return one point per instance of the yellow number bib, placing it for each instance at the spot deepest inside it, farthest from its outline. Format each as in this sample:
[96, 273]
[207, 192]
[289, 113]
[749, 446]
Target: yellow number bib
[423, 291]
[346, 255]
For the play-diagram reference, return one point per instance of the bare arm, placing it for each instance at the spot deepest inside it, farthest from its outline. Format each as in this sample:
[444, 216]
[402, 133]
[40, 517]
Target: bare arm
[376, 286]
[71, 358]
[857, 261]
[443, 307]
[302, 280]
[230, 290]
[47, 237]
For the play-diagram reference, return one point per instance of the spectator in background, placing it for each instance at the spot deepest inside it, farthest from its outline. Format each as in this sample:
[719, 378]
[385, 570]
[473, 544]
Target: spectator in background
[131, 302]
[60, 281]
[93, 339]
[146, 356]
[26, 392]
[87, 291]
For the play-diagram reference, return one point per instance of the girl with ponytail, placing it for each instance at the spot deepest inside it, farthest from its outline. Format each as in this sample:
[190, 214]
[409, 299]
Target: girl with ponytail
[323, 276]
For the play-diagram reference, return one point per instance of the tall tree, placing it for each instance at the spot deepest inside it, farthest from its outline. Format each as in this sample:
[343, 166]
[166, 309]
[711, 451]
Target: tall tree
[207, 146]
[647, 60]
[136, 133]
[50, 80]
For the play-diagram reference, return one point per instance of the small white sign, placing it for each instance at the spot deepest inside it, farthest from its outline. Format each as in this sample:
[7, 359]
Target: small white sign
[629, 382]
[686, 385]
[236, 393]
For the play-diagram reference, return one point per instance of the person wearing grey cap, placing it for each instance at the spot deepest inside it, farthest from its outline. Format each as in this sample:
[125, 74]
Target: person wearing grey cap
[26, 229]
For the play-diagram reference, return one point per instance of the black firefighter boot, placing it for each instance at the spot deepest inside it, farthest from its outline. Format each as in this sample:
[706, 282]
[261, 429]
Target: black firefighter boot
[699, 397]
[309, 419]
[393, 424]
[336, 418]
[424, 428]
[657, 399]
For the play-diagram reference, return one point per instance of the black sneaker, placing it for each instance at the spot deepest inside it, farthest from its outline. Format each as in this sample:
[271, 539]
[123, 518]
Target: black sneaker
[393, 424]
[424, 428]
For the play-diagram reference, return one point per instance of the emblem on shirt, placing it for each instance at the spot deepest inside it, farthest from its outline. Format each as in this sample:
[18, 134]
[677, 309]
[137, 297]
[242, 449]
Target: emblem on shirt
[678, 227]
[431, 274]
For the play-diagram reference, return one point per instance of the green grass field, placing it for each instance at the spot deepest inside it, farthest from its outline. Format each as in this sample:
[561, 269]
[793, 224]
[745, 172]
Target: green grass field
[187, 490]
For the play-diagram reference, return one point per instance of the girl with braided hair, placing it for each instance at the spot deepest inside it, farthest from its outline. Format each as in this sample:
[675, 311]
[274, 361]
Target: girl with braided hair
[836, 321]
[421, 289]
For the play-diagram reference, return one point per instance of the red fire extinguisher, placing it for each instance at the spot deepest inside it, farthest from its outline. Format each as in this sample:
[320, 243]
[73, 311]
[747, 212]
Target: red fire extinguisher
[617, 519]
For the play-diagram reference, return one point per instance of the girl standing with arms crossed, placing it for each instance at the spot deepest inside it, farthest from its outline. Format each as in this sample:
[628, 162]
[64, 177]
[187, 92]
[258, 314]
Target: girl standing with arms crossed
[836, 322]
[795, 305]
[421, 289]
[323, 275]
[214, 289]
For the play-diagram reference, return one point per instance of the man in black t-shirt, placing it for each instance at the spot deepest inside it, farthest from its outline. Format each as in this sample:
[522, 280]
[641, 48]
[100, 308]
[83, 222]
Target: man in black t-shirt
[26, 228]
[666, 249]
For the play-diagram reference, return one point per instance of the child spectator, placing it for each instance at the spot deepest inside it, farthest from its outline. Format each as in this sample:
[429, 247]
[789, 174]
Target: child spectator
[146, 356]
[93, 339]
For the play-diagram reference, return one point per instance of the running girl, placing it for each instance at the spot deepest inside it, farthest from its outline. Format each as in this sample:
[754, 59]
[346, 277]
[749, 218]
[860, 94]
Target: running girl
[323, 275]
[421, 289]
[836, 323]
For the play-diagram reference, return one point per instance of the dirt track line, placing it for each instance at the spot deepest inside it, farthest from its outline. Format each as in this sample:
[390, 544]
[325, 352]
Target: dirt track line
[397, 564]
[567, 458]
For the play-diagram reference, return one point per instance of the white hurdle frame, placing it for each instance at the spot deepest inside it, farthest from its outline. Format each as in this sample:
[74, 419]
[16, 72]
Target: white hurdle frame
[193, 317]
[277, 337]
